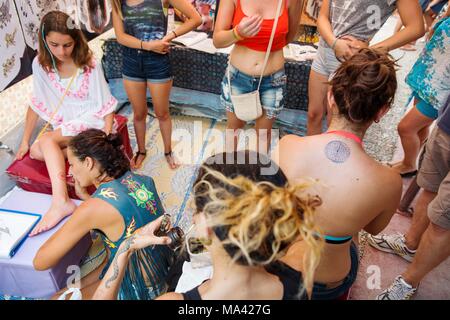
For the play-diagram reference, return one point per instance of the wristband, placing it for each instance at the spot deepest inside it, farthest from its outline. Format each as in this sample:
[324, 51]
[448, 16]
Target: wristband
[175, 33]
[237, 35]
[334, 43]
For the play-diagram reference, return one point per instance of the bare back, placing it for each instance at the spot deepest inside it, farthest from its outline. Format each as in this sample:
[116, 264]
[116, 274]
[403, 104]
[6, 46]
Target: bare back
[357, 193]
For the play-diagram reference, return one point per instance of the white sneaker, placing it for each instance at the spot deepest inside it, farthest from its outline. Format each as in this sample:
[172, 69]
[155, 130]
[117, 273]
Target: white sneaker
[394, 243]
[399, 290]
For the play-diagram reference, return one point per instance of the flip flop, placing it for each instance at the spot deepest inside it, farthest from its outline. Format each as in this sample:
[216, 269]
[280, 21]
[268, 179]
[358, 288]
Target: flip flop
[408, 174]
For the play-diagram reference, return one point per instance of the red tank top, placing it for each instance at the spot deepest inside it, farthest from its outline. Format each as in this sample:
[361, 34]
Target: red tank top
[261, 40]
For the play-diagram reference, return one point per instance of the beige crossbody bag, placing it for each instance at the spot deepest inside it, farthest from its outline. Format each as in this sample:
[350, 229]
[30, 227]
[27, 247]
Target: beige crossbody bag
[247, 106]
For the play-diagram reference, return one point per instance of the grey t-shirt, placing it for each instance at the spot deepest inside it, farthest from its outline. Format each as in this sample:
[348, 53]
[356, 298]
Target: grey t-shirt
[359, 18]
[444, 117]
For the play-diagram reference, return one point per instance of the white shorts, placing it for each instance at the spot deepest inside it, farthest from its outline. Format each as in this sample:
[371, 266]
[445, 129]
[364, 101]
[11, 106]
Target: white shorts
[325, 62]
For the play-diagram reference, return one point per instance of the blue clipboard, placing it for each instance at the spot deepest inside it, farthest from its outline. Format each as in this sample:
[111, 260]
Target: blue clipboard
[17, 247]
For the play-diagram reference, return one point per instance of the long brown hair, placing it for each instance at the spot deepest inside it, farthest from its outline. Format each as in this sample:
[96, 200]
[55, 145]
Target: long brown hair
[364, 84]
[117, 6]
[60, 22]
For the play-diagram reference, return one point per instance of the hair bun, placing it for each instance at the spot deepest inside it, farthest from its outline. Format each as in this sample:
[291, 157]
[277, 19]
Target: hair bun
[114, 139]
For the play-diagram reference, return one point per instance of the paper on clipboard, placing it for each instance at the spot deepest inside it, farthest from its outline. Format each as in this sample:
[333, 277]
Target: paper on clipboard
[14, 229]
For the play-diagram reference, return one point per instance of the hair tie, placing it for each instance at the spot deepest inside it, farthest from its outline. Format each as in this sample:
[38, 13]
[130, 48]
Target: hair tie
[114, 140]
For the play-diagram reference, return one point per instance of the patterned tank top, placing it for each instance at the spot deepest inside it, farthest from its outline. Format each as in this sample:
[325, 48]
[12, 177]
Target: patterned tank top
[136, 199]
[146, 20]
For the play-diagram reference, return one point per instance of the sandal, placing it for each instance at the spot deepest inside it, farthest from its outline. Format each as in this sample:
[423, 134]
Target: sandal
[136, 155]
[173, 164]
[408, 213]
[409, 174]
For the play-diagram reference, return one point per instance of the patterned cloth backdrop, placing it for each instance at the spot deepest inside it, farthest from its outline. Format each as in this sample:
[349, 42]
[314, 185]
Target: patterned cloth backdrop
[12, 43]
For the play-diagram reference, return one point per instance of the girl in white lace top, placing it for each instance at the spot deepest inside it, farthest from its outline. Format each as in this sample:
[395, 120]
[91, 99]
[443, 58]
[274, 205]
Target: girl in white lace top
[69, 92]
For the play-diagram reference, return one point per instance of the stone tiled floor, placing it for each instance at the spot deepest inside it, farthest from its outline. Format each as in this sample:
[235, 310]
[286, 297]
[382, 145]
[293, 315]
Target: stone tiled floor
[436, 285]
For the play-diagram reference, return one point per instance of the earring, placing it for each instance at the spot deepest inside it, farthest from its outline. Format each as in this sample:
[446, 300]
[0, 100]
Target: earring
[377, 121]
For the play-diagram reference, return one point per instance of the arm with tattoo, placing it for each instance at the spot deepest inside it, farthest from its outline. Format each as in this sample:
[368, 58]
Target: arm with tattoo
[142, 238]
[109, 287]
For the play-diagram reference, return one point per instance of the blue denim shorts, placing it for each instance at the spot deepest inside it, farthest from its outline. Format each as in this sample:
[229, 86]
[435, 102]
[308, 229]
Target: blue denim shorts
[322, 292]
[272, 90]
[145, 66]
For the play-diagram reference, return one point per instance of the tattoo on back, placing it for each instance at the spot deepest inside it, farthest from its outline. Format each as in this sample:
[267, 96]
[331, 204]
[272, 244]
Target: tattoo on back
[121, 250]
[337, 151]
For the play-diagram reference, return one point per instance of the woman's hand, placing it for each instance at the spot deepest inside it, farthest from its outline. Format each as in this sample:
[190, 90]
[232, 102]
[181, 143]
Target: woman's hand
[145, 236]
[23, 149]
[158, 46]
[343, 49]
[249, 26]
[355, 44]
[80, 191]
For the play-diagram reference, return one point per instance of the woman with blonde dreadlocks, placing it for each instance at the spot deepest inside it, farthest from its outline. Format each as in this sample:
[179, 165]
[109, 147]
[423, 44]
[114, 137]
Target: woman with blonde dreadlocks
[246, 217]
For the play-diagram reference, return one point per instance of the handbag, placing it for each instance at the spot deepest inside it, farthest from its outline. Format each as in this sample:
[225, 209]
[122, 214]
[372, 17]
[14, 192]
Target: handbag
[247, 106]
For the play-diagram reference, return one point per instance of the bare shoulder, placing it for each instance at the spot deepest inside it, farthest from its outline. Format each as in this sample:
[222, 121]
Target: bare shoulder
[288, 142]
[390, 180]
[97, 211]
[171, 296]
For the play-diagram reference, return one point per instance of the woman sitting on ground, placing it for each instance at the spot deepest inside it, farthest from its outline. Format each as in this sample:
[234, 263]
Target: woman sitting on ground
[123, 202]
[357, 191]
[246, 219]
[70, 92]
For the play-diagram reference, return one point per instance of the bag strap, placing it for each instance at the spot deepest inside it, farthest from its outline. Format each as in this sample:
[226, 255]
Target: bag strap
[272, 36]
[269, 47]
[58, 107]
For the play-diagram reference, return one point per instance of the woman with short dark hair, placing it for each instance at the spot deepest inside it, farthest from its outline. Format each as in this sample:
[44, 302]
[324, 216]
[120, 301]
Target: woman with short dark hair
[123, 202]
[357, 191]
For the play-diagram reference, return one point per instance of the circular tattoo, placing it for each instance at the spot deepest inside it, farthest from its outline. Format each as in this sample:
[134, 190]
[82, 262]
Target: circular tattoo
[337, 151]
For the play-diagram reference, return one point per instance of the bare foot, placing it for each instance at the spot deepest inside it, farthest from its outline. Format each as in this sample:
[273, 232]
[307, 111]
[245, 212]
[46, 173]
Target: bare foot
[171, 161]
[54, 215]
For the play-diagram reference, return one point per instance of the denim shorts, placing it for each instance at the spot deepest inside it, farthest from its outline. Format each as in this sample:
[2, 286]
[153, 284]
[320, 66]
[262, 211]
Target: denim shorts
[322, 292]
[146, 66]
[272, 90]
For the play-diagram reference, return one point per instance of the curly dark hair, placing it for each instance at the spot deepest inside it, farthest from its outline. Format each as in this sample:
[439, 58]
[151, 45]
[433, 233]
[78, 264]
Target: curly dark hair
[364, 84]
[105, 149]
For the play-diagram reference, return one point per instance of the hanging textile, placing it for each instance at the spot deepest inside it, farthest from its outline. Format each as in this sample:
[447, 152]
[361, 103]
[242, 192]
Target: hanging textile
[12, 44]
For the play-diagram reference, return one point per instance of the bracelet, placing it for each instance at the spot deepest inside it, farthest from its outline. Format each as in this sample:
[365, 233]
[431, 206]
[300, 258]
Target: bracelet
[236, 34]
[334, 43]
[176, 36]
[141, 46]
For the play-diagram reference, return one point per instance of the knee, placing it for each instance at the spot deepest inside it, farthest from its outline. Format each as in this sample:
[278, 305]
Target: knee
[140, 116]
[315, 115]
[438, 232]
[35, 152]
[162, 116]
[404, 129]
[46, 138]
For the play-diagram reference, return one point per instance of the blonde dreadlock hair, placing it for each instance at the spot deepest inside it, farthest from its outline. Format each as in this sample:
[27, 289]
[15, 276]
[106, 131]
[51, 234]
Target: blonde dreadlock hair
[256, 216]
